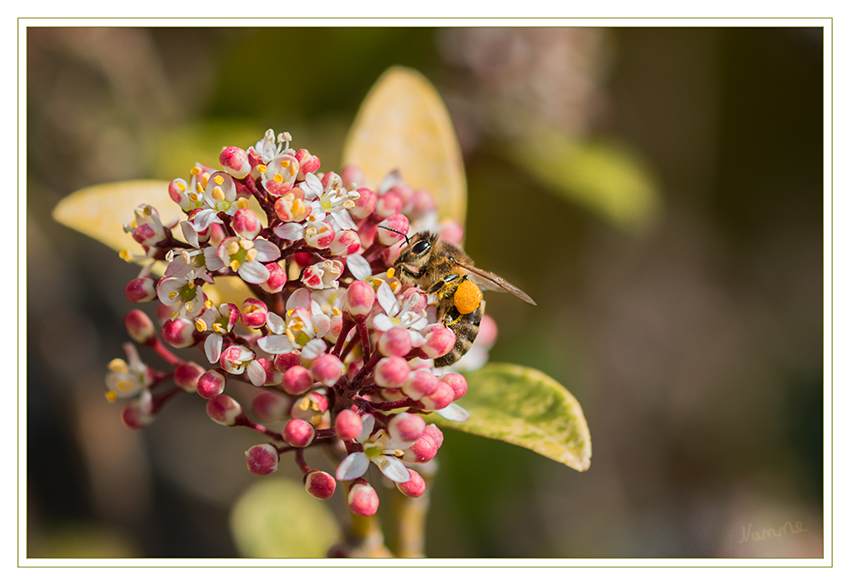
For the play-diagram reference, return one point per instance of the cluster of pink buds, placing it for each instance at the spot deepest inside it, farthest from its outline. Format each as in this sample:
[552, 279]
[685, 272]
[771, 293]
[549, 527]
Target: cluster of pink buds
[340, 353]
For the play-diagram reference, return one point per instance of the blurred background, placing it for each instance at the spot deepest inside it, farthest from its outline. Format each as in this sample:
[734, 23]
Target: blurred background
[658, 191]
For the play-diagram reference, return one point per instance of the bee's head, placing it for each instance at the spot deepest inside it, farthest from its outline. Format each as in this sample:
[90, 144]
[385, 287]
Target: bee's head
[415, 254]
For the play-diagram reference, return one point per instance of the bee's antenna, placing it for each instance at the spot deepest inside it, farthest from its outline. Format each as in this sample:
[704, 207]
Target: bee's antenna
[406, 239]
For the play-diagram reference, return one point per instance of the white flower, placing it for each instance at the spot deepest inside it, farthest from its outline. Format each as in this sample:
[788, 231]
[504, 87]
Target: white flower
[246, 257]
[305, 322]
[127, 379]
[379, 449]
[219, 320]
[181, 294]
[399, 315]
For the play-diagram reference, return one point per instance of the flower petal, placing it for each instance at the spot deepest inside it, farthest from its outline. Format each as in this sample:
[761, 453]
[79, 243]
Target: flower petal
[212, 347]
[368, 421]
[352, 467]
[387, 299]
[256, 373]
[266, 251]
[359, 267]
[276, 323]
[394, 469]
[253, 272]
[275, 344]
[289, 231]
[454, 413]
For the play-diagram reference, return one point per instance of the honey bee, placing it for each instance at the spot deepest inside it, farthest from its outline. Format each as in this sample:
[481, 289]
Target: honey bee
[443, 269]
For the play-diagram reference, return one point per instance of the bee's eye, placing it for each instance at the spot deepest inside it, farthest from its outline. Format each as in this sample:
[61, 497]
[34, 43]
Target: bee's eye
[421, 247]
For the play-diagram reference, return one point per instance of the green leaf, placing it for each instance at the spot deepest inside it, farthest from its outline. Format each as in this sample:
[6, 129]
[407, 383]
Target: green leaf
[525, 407]
[403, 124]
[603, 176]
[276, 518]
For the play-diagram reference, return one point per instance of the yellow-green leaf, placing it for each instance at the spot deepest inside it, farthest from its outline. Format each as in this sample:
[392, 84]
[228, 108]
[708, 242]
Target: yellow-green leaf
[603, 176]
[403, 124]
[525, 407]
[276, 518]
[101, 211]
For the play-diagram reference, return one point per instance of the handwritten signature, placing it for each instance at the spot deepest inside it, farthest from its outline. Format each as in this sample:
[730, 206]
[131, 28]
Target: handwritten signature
[748, 534]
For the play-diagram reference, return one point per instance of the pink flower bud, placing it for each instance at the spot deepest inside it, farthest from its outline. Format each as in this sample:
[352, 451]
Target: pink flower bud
[348, 425]
[422, 451]
[270, 406]
[421, 202]
[310, 407]
[320, 484]
[186, 376]
[223, 410]
[439, 340]
[353, 368]
[235, 161]
[327, 369]
[140, 290]
[414, 487]
[262, 372]
[395, 342]
[331, 180]
[388, 204]
[297, 380]
[285, 361]
[179, 332]
[352, 175]
[457, 383]
[309, 163]
[246, 223]
[440, 398]
[262, 459]
[211, 383]
[298, 433]
[435, 433]
[137, 413]
[319, 234]
[235, 358]
[254, 313]
[277, 278]
[139, 326]
[362, 498]
[406, 427]
[365, 204]
[451, 232]
[345, 243]
[391, 372]
[396, 222]
[359, 299]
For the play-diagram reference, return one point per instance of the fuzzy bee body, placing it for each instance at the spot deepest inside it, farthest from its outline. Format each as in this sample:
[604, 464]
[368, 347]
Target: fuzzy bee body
[443, 269]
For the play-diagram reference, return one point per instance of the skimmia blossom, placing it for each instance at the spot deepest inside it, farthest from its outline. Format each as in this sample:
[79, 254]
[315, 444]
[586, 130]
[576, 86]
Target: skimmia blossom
[339, 352]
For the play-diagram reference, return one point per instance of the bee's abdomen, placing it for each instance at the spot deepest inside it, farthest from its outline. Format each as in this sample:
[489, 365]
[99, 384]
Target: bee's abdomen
[466, 330]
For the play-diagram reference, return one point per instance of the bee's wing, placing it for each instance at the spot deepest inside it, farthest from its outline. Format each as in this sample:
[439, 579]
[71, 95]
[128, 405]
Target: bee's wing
[490, 281]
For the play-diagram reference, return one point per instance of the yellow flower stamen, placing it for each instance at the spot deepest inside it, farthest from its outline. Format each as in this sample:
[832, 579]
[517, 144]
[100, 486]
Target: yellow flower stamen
[118, 366]
[262, 168]
[234, 265]
[218, 179]
[390, 272]
[111, 396]
[246, 244]
[251, 255]
[232, 248]
[242, 203]
[124, 386]
[200, 325]
[218, 194]
[196, 170]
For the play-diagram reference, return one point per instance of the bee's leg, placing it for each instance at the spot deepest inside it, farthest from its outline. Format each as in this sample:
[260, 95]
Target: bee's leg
[446, 286]
[451, 317]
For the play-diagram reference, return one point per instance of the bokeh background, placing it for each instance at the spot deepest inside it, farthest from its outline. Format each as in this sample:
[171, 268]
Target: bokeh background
[658, 191]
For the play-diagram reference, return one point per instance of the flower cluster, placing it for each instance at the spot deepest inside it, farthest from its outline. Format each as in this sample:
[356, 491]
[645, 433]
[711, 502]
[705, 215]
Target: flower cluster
[340, 353]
